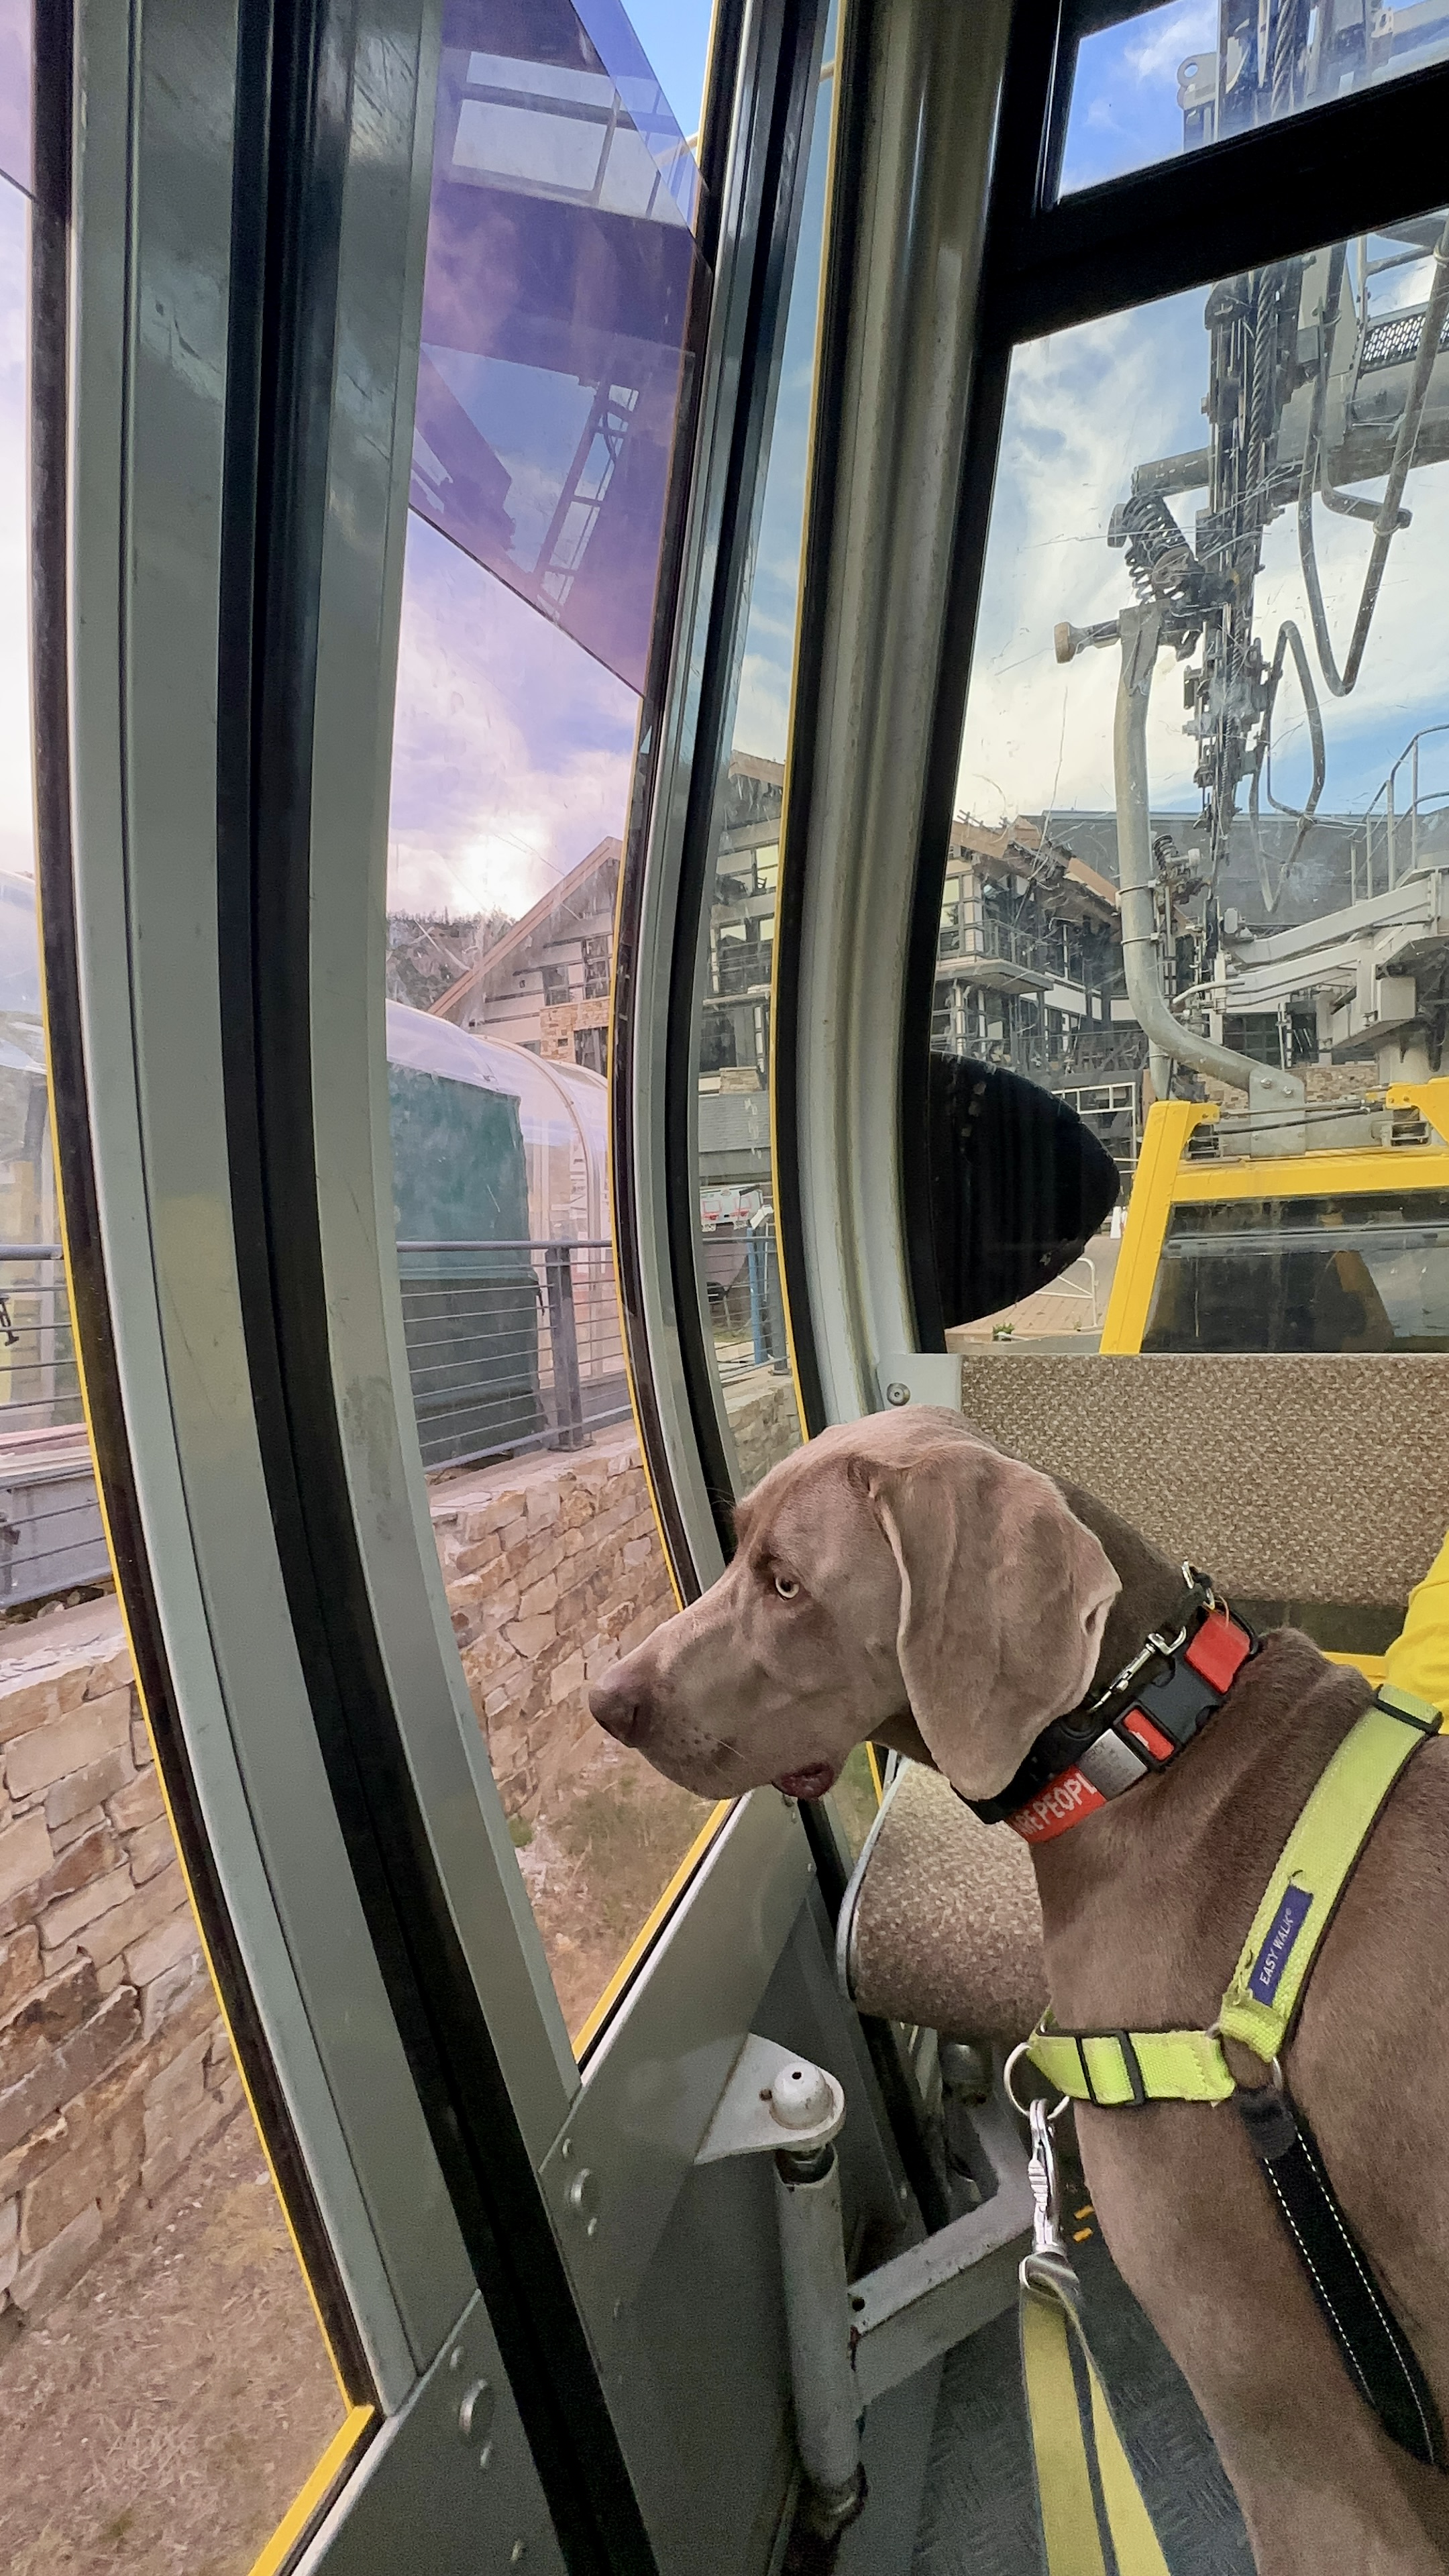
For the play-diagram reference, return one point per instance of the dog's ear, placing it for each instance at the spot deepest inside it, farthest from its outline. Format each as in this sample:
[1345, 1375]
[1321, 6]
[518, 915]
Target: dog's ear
[1004, 1597]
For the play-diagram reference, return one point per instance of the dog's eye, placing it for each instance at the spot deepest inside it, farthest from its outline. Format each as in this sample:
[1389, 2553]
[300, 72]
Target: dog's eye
[786, 1586]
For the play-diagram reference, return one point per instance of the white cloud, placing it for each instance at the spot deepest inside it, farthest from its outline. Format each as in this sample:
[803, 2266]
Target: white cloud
[512, 748]
[1168, 37]
[1085, 407]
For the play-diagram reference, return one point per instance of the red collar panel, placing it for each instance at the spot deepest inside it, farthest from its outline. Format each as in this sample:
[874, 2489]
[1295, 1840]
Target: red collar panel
[1140, 1724]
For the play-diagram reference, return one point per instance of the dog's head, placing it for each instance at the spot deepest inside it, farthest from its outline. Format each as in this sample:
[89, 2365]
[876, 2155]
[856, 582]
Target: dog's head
[895, 1568]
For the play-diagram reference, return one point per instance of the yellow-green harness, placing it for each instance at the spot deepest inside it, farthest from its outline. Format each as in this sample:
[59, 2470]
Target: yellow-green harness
[1126, 2069]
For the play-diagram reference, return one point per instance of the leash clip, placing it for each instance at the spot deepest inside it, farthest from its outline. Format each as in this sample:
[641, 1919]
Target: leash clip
[1048, 2267]
[1044, 2177]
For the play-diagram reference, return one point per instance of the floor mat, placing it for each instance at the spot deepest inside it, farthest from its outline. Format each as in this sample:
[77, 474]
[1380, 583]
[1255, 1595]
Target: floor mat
[980, 2511]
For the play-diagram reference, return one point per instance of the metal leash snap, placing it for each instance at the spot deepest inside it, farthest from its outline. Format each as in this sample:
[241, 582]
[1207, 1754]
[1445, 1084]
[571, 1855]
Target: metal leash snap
[1048, 2267]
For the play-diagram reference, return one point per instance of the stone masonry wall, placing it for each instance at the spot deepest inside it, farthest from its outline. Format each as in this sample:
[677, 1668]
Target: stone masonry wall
[114, 2064]
[553, 1568]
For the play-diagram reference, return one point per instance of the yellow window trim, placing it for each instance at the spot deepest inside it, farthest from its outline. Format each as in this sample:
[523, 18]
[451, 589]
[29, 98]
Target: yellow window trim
[589, 2029]
[316, 2493]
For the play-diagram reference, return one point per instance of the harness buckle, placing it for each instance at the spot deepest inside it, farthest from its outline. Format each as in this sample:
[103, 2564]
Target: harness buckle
[1132, 2069]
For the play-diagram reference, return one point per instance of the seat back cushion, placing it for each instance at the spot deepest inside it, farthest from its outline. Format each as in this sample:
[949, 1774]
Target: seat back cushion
[944, 1923]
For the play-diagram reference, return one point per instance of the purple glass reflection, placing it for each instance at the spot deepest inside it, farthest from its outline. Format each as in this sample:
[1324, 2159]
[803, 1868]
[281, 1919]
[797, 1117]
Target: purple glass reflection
[560, 259]
[17, 40]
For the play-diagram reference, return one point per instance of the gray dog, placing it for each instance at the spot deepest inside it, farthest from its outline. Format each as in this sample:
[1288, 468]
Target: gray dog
[902, 1580]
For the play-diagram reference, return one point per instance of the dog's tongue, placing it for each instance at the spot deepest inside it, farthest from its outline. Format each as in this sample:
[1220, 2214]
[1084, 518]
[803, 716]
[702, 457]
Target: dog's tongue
[811, 1782]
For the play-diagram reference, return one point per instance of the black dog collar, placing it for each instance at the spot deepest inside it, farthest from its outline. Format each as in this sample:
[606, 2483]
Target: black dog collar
[1138, 1724]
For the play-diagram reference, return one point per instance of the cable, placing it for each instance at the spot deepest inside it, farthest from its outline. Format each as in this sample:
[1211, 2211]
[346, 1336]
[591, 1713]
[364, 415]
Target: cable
[1387, 519]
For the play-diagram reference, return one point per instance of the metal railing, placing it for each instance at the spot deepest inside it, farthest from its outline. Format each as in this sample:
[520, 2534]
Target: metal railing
[742, 1280]
[1397, 828]
[983, 936]
[51, 1535]
[511, 1346]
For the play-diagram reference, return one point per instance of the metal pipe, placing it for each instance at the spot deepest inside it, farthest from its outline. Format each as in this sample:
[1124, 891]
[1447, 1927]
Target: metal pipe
[1168, 1041]
[818, 2321]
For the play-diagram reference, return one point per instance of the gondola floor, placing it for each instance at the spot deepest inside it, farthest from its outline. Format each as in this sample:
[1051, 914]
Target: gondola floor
[980, 2509]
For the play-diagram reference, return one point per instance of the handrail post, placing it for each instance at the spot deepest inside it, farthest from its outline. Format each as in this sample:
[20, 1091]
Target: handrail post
[569, 1432]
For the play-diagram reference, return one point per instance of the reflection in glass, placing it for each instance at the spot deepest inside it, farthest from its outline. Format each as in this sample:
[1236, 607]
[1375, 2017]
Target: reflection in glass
[17, 38]
[1331, 1274]
[559, 286]
[560, 262]
[738, 1250]
[1175, 77]
[165, 2387]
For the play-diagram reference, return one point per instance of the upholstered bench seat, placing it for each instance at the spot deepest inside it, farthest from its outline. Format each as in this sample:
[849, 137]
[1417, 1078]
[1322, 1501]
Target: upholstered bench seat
[940, 1925]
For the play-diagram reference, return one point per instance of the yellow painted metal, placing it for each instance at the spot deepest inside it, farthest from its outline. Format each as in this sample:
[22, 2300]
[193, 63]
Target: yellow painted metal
[1374, 1668]
[1312, 1176]
[1170, 1123]
[314, 2495]
[1430, 1099]
[591, 2026]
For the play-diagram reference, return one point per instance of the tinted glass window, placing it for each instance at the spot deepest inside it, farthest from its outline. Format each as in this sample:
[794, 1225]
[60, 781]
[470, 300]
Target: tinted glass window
[556, 363]
[1330, 1274]
[1176, 77]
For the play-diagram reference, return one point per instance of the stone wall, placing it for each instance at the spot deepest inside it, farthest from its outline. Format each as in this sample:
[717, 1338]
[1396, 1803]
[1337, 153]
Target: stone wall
[114, 2064]
[553, 1568]
[765, 1421]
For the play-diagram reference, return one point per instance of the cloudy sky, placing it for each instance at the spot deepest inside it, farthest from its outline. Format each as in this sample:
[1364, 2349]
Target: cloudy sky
[513, 747]
[1085, 407]
[1124, 110]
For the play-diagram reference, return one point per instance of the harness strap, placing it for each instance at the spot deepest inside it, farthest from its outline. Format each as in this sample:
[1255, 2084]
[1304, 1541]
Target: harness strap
[1379, 2355]
[1119, 2069]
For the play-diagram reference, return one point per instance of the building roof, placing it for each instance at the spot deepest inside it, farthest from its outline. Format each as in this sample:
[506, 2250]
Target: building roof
[553, 917]
[1017, 847]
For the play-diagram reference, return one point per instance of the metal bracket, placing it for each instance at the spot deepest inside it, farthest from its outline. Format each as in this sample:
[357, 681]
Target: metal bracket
[851, 2341]
[920, 1377]
[773, 2101]
[1277, 1112]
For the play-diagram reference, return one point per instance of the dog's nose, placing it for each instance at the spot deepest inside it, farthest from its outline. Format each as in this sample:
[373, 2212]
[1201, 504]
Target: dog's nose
[618, 1709]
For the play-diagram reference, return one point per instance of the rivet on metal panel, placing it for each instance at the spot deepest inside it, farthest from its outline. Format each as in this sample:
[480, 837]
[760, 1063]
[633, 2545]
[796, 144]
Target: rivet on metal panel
[896, 1393]
[475, 2415]
[583, 2199]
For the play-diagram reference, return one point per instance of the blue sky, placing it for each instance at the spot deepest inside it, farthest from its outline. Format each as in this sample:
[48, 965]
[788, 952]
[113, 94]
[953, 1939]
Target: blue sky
[1124, 110]
[675, 36]
[1084, 408]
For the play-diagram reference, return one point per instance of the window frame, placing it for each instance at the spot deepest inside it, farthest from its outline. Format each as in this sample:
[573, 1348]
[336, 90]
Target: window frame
[1326, 173]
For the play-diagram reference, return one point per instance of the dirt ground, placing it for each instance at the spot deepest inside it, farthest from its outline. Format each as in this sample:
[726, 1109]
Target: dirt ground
[605, 1849]
[161, 2419]
[600, 1855]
